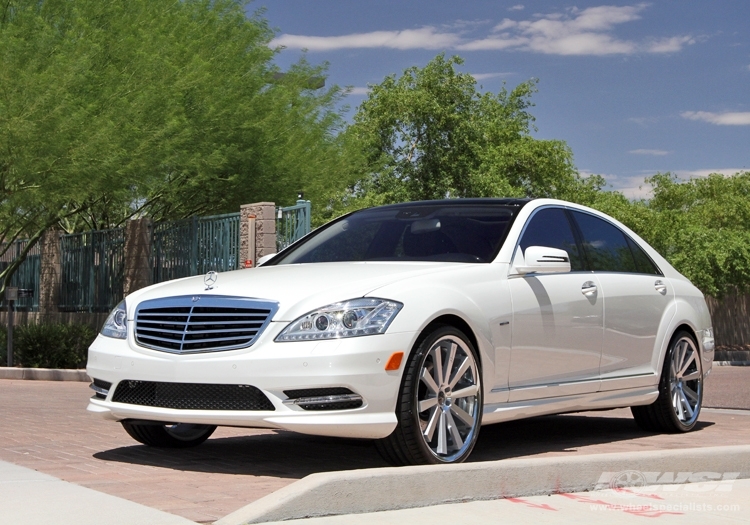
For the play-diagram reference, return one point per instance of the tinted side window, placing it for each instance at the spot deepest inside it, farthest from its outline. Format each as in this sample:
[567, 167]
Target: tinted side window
[550, 227]
[642, 261]
[605, 245]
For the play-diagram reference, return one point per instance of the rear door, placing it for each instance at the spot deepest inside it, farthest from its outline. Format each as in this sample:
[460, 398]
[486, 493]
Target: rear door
[636, 296]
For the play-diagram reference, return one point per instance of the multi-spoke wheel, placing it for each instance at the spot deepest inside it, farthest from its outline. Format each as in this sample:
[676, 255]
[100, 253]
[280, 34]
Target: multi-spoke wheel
[178, 435]
[440, 403]
[680, 390]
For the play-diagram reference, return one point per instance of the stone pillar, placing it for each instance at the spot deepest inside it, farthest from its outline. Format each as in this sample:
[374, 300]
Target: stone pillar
[265, 231]
[138, 273]
[50, 272]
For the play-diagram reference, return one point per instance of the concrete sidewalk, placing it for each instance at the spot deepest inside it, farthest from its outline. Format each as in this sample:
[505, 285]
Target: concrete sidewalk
[32, 498]
[725, 503]
[29, 497]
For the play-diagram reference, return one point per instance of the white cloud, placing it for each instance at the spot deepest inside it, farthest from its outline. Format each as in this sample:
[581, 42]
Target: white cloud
[492, 44]
[720, 119]
[485, 76]
[669, 45]
[653, 152]
[423, 38]
[581, 32]
[687, 174]
[359, 91]
[633, 187]
[587, 31]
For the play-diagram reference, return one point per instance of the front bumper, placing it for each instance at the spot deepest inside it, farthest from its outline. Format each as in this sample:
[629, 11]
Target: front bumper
[355, 363]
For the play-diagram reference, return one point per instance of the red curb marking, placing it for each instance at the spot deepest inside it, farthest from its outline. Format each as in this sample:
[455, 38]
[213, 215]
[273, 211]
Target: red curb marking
[652, 496]
[531, 504]
[584, 499]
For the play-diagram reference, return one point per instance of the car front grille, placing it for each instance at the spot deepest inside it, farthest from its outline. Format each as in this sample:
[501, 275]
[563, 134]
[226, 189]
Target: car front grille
[193, 324]
[191, 396]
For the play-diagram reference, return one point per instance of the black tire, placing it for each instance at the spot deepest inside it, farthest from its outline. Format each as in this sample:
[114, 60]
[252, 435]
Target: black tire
[179, 435]
[680, 390]
[447, 429]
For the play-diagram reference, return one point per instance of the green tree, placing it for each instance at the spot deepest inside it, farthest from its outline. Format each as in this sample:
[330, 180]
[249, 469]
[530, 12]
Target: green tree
[167, 108]
[430, 134]
[701, 226]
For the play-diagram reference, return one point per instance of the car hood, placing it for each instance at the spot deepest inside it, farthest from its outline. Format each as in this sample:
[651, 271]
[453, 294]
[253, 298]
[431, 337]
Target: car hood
[298, 288]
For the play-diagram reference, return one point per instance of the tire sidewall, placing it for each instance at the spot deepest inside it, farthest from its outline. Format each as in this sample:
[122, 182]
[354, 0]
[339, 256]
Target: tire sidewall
[665, 390]
[416, 363]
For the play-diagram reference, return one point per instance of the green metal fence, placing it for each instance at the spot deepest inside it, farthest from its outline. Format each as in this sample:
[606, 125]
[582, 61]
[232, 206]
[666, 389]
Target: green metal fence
[92, 269]
[195, 246]
[292, 223]
[27, 274]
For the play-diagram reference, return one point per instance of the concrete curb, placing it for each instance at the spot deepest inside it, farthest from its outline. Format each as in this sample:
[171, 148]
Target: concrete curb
[375, 490]
[43, 374]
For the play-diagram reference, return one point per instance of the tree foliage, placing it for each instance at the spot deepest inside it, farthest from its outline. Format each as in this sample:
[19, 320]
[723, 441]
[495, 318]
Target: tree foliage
[431, 134]
[702, 226]
[167, 108]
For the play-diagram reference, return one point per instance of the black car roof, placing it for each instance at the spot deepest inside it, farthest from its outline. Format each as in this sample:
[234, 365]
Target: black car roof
[461, 202]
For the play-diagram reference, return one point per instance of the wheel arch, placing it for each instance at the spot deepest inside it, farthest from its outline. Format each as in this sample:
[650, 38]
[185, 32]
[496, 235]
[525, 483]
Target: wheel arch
[679, 326]
[456, 322]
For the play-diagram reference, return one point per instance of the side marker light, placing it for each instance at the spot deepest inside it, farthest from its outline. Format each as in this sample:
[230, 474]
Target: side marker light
[394, 362]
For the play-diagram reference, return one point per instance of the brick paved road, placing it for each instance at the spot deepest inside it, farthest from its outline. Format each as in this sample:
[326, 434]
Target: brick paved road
[44, 426]
[728, 387]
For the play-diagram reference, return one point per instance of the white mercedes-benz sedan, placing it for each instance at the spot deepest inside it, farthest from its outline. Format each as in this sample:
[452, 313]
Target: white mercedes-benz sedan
[413, 325]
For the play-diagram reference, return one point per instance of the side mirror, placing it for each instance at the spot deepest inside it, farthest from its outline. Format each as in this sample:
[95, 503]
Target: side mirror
[265, 258]
[541, 259]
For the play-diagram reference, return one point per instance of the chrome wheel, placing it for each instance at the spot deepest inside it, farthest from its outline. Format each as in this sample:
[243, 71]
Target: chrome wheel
[685, 381]
[439, 407]
[448, 398]
[680, 396]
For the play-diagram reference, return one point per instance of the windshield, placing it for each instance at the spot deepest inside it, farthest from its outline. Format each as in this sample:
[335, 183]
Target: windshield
[445, 232]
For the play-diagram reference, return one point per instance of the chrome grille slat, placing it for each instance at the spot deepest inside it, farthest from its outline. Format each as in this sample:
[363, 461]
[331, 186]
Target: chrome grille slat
[222, 331]
[212, 340]
[195, 324]
[157, 338]
[235, 314]
[160, 330]
[199, 323]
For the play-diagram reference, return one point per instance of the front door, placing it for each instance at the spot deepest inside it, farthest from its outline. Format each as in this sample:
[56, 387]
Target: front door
[557, 325]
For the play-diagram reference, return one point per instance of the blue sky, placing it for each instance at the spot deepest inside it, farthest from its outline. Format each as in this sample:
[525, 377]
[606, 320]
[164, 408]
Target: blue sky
[633, 88]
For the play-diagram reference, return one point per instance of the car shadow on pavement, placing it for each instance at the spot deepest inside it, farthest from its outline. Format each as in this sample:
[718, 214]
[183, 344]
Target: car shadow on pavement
[557, 433]
[289, 455]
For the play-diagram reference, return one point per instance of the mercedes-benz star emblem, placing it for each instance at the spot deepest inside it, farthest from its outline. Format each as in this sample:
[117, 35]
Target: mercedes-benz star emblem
[210, 279]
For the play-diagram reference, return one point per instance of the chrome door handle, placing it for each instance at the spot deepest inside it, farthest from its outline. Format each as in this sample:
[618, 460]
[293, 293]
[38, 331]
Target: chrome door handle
[588, 288]
[660, 287]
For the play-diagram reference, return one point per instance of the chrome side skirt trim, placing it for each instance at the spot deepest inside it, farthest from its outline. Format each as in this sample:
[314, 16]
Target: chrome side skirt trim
[496, 413]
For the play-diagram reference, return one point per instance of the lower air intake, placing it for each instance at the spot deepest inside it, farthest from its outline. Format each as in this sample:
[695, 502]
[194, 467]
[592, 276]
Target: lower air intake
[191, 396]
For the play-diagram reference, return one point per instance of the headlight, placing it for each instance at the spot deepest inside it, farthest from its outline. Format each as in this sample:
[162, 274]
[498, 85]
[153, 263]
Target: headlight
[348, 319]
[116, 324]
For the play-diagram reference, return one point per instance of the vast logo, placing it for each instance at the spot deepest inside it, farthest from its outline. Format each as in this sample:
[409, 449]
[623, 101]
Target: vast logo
[668, 481]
